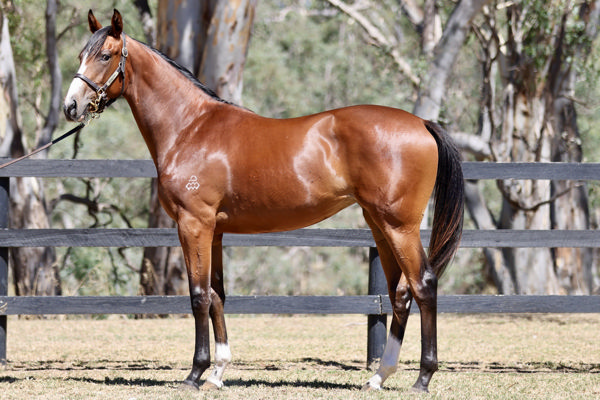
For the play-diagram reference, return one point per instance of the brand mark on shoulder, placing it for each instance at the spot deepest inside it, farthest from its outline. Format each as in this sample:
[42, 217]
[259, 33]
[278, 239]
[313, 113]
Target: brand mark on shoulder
[193, 183]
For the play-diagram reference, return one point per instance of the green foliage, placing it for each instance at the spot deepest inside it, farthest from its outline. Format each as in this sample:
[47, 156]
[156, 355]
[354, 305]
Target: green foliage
[115, 135]
[322, 63]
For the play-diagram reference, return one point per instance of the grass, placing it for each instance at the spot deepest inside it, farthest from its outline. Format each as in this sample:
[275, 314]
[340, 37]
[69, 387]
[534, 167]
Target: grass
[309, 357]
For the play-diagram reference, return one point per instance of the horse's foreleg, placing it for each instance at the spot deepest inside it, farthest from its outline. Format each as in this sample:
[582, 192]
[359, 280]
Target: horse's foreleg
[196, 240]
[217, 315]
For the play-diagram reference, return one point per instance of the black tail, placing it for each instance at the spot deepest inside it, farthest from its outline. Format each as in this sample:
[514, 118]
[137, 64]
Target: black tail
[449, 201]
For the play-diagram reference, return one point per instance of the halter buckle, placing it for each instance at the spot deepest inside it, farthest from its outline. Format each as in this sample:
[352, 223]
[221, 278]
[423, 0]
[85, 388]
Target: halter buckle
[95, 106]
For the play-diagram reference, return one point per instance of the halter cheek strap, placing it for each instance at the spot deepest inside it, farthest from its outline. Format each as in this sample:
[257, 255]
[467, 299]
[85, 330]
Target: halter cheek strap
[102, 101]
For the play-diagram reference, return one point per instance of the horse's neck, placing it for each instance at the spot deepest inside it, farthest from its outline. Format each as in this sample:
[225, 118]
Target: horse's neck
[162, 100]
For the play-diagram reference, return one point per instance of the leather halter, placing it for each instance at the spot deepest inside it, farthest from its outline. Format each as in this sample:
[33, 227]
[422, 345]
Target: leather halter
[102, 101]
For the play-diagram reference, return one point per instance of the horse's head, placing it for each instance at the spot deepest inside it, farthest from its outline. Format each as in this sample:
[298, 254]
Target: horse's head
[101, 75]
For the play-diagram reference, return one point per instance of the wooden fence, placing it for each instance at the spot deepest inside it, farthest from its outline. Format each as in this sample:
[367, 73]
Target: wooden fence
[375, 304]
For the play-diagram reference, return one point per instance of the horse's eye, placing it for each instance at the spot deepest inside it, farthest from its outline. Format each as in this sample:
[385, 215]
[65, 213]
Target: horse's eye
[105, 57]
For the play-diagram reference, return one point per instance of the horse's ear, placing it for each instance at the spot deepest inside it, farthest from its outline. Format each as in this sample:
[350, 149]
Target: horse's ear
[117, 24]
[93, 22]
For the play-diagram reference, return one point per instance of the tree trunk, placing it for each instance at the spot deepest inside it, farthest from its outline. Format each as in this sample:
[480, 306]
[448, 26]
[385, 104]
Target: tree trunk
[230, 28]
[182, 29]
[432, 27]
[210, 39]
[147, 21]
[538, 124]
[523, 139]
[34, 269]
[574, 267]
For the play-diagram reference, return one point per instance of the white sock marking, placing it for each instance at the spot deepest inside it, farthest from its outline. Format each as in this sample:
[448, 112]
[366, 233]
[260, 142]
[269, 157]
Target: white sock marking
[389, 362]
[222, 359]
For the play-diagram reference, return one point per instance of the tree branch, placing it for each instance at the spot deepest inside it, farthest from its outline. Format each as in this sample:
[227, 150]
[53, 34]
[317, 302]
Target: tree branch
[94, 208]
[75, 21]
[445, 54]
[473, 144]
[520, 205]
[413, 12]
[389, 46]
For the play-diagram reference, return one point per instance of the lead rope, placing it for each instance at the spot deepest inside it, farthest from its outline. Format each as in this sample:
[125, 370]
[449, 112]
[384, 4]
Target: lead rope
[79, 127]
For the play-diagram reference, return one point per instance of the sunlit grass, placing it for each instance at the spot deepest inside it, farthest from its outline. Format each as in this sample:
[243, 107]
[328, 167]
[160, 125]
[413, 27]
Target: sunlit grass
[275, 357]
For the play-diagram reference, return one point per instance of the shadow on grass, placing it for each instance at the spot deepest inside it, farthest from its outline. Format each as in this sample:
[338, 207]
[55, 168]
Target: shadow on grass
[113, 365]
[314, 384]
[528, 367]
[119, 381]
[241, 383]
[328, 363]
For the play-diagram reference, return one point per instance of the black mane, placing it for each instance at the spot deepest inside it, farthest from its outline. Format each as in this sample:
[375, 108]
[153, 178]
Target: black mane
[185, 72]
[94, 45]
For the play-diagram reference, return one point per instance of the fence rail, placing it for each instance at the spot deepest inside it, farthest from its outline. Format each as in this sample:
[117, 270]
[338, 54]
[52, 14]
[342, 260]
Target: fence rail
[310, 237]
[366, 305]
[146, 169]
[376, 304]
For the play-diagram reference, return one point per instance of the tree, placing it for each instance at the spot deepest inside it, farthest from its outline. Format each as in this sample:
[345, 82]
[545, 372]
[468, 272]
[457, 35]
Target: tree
[211, 39]
[537, 65]
[440, 51]
[34, 269]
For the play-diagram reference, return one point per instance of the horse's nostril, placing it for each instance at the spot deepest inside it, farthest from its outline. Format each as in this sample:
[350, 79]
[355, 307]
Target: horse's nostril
[71, 110]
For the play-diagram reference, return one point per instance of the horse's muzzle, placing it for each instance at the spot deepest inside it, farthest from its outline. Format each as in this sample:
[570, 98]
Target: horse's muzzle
[71, 110]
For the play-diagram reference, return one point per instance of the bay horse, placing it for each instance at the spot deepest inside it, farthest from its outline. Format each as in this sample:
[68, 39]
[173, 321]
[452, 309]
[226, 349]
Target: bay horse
[224, 169]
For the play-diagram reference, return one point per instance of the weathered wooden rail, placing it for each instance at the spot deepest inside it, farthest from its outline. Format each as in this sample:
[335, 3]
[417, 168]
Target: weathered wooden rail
[375, 305]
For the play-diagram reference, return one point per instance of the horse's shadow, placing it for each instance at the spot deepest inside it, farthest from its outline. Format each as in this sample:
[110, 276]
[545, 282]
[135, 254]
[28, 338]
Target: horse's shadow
[239, 382]
[231, 383]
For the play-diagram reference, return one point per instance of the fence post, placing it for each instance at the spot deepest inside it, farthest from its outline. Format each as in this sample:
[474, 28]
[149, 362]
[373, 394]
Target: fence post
[377, 324]
[4, 216]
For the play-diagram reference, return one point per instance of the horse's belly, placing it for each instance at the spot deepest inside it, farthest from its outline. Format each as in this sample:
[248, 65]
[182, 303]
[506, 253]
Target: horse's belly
[287, 215]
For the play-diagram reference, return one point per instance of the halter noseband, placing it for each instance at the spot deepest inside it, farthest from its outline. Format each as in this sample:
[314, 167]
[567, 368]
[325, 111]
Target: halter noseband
[102, 101]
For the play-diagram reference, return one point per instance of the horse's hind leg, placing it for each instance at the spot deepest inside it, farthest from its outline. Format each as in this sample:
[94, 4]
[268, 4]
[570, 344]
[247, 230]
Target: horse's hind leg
[423, 286]
[405, 243]
[217, 315]
[400, 297]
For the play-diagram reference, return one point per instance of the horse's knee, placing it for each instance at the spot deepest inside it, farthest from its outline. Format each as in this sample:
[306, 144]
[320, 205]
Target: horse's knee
[201, 300]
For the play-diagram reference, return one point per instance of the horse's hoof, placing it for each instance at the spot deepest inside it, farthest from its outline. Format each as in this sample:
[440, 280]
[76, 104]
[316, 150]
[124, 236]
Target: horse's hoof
[210, 386]
[188, 386]
[368, 387]
[419, 389]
